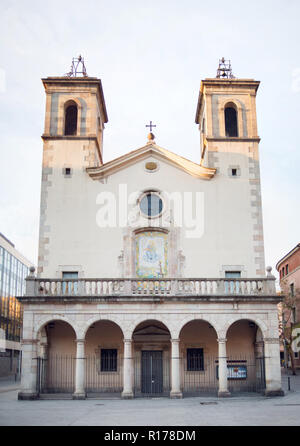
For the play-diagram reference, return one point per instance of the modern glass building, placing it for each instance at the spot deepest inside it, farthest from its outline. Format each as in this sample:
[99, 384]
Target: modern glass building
[14, 268]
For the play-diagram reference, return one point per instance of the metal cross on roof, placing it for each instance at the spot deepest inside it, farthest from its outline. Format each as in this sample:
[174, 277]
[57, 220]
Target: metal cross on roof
[151, 125]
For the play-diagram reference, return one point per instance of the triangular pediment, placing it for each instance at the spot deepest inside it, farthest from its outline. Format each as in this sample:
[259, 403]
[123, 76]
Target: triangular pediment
[153, 150]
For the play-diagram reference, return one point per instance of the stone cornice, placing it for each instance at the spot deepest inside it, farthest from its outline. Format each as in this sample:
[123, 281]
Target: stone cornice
[231, 82]
[46, 136]
[146, 299]
[229, 139]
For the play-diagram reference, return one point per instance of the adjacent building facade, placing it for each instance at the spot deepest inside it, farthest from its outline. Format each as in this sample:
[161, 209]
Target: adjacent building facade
[14, 268]
[151, 274]
[289, 276]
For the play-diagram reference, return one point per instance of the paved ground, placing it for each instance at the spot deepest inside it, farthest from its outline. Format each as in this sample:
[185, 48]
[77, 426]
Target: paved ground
[236, 411]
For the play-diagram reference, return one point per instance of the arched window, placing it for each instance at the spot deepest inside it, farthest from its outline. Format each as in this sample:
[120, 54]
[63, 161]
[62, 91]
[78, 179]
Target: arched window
[71, 113]
[231, 124]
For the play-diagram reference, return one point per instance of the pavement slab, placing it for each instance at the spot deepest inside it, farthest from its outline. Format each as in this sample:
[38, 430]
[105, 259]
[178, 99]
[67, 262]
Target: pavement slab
[255, 410]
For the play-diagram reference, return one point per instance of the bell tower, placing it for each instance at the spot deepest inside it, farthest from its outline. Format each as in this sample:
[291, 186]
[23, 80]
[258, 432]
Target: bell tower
[226, 115]
[73, 141]
[75, 113]
[229, 142]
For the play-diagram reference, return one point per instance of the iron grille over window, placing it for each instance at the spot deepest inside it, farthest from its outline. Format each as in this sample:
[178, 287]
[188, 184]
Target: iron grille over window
[195, 360]
[109, 359]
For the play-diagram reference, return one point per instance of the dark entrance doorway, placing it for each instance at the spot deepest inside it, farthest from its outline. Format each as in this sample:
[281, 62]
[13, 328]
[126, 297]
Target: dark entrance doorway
[152, 371]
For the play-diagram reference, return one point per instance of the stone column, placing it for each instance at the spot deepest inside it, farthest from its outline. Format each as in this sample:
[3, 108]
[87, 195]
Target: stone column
[43, 349]
[272, 367]
[29, 370]
[259, 349]
[223, 385]
[79, 393]
[175, 370]
[127, 370]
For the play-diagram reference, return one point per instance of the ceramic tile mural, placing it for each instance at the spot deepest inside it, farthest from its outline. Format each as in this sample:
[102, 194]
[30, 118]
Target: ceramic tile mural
[151, 254]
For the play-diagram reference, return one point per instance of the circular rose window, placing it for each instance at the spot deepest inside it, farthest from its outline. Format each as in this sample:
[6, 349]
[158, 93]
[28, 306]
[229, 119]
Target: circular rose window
[151, 204]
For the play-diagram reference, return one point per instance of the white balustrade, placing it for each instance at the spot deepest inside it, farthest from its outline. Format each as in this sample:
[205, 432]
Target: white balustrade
[150, 287]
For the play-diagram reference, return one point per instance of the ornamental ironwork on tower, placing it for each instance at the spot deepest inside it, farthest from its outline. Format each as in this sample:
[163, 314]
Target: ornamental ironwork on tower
[224, 69]
[77, 67]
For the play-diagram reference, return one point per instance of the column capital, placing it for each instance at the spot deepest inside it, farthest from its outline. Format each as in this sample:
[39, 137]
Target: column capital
[175, 340]
[222, 340]
[128, 340]
[78, 341]
[271, 340]
[29, 341]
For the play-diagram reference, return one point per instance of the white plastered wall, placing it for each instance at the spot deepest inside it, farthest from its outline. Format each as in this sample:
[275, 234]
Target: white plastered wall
[71, 235]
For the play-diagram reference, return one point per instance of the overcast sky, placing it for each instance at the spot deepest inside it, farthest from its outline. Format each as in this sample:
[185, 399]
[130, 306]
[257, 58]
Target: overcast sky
[151, 57]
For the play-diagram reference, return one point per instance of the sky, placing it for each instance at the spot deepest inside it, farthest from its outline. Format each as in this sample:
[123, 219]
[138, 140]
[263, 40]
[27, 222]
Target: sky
[150, 57]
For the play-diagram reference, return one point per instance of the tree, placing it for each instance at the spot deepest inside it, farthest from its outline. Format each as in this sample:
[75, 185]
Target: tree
[287, 325]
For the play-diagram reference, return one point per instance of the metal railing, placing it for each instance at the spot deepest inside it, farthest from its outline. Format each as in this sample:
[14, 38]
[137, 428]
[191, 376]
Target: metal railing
[151, 375]
[151, 287]
[99, 379]
[245, 373]
[56, 374]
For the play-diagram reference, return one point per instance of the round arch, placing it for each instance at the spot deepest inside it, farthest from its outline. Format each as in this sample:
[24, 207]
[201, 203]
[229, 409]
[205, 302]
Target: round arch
[199, 333]
[70, 118]
[260, 324]
[187, 320]
[104, 339]
[151, 319]
[231, 102]
[47, 319]
[72, 100]
[98, 318]
[238, 106]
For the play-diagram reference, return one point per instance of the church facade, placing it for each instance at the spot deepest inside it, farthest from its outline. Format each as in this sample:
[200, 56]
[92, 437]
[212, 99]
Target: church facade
[151, 275]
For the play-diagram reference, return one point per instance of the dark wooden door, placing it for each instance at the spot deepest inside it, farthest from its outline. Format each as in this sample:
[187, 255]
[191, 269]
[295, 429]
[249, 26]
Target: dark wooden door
[152, 371]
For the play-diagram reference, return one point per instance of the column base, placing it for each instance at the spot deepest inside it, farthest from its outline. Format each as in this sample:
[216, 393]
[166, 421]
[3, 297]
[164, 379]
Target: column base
[127, 395]
[28, 396]
[79, 396]
[176, 395]
[278, 392]
[223, 394]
